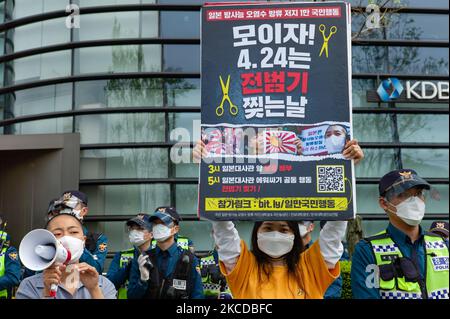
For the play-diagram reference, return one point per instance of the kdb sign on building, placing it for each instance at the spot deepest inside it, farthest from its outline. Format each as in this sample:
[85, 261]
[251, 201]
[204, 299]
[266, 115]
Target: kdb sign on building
[395, 90]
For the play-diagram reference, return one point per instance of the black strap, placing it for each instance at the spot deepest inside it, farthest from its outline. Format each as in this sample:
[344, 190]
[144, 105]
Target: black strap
[183, 271]
[161, 287]
[91, 241]
[156, 278]
[376, 237]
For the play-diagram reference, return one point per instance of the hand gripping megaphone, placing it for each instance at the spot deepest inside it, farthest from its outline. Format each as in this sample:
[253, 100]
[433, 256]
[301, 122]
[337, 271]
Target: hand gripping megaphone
[40, 249]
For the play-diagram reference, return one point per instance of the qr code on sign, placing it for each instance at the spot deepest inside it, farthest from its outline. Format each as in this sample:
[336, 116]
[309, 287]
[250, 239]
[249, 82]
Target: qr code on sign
[330, 179]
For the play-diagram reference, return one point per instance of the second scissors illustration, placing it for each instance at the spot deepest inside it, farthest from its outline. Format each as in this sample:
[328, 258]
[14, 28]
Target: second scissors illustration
[225, 88]
[322, 29]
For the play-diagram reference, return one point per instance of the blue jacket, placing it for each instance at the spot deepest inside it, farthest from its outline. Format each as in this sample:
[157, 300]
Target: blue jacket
[98, 256]
[12, 273]
[137, 288]
[363, 257]
[119, 275]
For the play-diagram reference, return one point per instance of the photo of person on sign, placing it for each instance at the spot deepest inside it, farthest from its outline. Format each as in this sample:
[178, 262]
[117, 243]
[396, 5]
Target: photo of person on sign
[336, 136]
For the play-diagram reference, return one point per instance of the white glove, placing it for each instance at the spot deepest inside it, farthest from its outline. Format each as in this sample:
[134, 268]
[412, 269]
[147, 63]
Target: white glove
[330, 241]
[145, 273]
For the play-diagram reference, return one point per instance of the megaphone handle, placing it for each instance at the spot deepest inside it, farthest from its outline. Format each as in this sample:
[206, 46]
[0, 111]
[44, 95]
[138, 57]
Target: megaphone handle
[53, 289]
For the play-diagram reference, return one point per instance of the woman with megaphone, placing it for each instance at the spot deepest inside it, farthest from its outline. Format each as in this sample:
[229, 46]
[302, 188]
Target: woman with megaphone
[56, 251]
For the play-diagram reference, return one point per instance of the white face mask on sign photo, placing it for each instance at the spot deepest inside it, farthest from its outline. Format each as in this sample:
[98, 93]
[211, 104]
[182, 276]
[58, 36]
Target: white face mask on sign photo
[411, 211]
[136, 237]
[74, 245]
[335, 144]
[161, 232]
[275, 244]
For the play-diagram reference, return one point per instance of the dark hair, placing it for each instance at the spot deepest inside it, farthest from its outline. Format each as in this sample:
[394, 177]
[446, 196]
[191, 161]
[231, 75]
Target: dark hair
[292, 258]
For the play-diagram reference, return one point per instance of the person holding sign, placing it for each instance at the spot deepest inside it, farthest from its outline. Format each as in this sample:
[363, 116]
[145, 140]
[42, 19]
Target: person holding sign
[278, 266]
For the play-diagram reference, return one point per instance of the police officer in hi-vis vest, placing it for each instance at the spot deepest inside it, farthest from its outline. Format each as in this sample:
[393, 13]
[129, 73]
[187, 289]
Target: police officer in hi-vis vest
[214, 283]
[412, 263]
[9, 264]
[139, 234]
[167, 271]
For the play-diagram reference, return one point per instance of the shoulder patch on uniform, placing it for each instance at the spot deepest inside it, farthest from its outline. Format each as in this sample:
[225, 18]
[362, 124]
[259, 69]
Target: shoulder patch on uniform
[13, 255]
[102, 247]
[197, 268]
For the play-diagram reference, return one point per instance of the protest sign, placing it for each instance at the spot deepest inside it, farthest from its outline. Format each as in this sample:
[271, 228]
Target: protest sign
[276, 112]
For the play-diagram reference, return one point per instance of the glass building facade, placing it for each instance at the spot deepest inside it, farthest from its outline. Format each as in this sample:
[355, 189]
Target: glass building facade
[131, 74]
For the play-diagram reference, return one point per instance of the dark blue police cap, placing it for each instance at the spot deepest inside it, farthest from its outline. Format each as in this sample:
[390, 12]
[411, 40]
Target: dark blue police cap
[80, 195]
[142, 220]
[168, 215]
[439, 227]
[399, 181]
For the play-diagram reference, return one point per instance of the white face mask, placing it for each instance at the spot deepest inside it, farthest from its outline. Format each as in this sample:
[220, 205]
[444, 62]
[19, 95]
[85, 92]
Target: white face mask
[136, 237]
[411, 211]
[74, 245]
[335, 144]
[161, 232]
[275, 244]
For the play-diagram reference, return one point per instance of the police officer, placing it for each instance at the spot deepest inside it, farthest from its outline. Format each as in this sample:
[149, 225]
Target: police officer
[76, 202]
[440, 228]
[166, 271]
[139, 233]
[214, 283]
[9, 264]
[412, 263]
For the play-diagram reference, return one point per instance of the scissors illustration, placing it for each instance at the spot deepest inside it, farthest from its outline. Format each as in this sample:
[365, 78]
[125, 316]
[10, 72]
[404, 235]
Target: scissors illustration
[322, 29]
[233, 108]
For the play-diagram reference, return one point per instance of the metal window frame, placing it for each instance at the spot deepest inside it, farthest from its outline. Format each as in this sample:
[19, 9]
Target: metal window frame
[195, 41]
[186, 75]
[184, 41]
[375, 145]
[195, 109]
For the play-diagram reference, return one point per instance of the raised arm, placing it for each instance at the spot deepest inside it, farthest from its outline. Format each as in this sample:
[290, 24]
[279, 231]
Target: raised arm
[228, 243]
